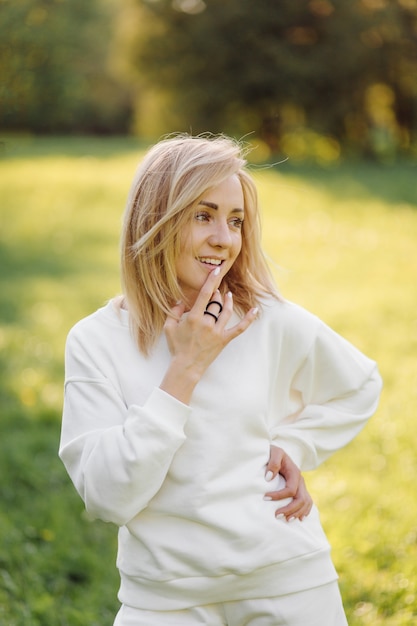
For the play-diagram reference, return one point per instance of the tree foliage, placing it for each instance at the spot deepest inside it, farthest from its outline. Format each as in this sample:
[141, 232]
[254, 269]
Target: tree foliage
[54, 67]
[347, 69]
[294, 73]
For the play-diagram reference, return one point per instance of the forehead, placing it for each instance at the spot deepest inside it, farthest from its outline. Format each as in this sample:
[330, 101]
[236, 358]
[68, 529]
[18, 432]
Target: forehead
[227, 194]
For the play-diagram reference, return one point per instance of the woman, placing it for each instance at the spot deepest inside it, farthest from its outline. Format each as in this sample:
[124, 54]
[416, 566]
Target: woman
[193, 399]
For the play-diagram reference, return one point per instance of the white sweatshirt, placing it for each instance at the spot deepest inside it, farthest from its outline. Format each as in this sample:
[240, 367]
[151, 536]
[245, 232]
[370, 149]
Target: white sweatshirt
[185, 483]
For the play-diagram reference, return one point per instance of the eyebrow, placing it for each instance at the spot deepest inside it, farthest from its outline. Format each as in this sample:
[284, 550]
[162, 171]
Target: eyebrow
[213, 205]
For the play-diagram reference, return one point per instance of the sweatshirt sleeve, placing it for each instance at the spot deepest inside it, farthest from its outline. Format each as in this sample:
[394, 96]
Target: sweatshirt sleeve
[336, 389]
[116, 456]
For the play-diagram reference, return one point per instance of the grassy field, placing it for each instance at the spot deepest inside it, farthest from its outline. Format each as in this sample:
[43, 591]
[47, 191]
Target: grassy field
[343, 243]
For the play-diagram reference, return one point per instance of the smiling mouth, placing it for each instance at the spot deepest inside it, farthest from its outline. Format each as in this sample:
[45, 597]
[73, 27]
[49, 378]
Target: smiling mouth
[209, 261]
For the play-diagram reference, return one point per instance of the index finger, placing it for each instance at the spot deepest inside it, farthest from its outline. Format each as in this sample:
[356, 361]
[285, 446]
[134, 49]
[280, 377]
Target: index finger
[211, 283]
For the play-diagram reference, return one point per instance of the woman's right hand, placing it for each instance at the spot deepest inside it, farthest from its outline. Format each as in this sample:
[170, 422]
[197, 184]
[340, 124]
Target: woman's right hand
[195, 340]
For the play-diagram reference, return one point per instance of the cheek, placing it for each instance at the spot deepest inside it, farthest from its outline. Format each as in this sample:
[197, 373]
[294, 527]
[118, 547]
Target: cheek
[238, 245]
[186, 242]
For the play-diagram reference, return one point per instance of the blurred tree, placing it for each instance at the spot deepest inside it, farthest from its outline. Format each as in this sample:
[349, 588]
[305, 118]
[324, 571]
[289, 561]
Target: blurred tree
[278, 67]
[298, 74]
[54, 67]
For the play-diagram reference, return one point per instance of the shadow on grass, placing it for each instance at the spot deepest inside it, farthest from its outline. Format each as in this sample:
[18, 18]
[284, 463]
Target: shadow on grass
[361, 180]
[30, 146]
[56, 567]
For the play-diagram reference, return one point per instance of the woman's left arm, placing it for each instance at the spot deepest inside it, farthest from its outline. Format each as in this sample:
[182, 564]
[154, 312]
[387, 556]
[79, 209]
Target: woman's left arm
[338, 390]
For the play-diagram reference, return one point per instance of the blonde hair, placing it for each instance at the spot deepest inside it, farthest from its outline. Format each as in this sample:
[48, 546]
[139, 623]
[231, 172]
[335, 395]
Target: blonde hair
[172, 176]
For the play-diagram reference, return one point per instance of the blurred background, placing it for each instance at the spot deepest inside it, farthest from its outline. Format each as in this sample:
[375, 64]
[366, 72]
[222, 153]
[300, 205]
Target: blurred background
[325, 94]
[313, 77]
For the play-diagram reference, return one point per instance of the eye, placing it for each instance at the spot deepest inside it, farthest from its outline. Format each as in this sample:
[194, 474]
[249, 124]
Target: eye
[237, 222]
[202, 216]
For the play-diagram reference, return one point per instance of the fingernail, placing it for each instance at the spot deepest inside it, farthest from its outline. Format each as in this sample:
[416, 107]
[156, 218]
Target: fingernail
[229, 294]
[216, 272]
[279, 516]
[255, 311]
[269, 476]
[267, 498]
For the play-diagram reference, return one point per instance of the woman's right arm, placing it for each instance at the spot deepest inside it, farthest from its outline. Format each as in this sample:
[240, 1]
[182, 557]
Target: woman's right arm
[116, 456]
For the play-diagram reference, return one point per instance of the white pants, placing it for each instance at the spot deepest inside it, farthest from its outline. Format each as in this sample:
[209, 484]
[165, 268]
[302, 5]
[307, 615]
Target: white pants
[321, 606]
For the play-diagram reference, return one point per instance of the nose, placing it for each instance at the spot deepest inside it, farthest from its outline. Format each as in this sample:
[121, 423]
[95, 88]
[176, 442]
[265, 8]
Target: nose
[221, 236]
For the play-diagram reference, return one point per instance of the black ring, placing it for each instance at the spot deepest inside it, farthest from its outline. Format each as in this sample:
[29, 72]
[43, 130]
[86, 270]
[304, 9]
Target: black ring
[215, 302]
[211, 314]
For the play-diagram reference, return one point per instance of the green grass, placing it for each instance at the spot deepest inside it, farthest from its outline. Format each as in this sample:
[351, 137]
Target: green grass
[343, 244]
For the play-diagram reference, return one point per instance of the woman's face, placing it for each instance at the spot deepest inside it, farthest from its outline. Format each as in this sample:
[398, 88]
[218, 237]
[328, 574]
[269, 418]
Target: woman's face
[213, 238]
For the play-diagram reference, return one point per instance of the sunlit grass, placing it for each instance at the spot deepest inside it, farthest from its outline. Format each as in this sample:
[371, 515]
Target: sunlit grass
[342, 243]
[351, 258]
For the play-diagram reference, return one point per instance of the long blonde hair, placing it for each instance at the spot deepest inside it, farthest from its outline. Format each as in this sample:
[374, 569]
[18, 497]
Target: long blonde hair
[173, 174]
